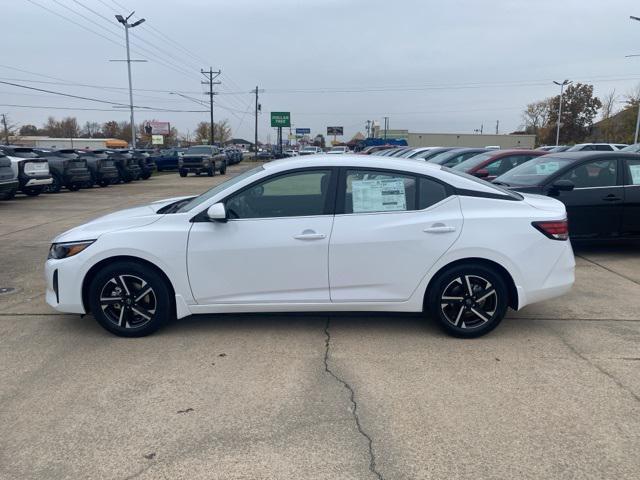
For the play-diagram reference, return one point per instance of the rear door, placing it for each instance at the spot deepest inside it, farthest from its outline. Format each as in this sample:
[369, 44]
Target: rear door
[631, 208]
[594, 206]
[391, 228]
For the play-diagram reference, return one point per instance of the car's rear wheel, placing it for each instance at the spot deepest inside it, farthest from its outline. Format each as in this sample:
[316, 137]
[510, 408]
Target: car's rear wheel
[74, 187]
[468, 300]
[130, 299]
[223, 168]
[33, 191]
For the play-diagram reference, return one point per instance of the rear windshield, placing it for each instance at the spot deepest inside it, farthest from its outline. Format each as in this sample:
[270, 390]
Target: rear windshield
[533, 172]
[473, 161]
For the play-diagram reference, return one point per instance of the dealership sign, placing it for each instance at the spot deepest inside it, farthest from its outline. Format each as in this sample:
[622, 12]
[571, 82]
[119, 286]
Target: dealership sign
[280, 119]
[335, 131]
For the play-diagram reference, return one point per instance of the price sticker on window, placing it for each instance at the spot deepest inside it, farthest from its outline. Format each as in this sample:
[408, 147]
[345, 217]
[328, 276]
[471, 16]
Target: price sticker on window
[635, 174]
[384, 195]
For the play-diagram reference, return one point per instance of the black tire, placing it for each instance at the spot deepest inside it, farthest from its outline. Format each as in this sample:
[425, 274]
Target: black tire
[8, 195]
[467, 314]
[104, 183]
[33, 191]
[130, 314]
[74, 187]
[211, 171]
[56, 184]
[183, 173]
[145, 175]
[223, 168]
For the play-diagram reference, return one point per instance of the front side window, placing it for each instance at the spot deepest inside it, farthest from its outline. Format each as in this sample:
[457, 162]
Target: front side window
[294, 194]
[370, 191]
[602, 173]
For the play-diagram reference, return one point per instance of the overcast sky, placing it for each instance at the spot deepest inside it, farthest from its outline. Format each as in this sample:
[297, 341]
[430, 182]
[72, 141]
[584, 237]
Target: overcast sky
[431, 66]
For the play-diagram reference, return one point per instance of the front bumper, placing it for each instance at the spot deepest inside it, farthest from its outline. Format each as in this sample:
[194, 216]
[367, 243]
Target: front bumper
[64, 285]
[79, 177]
[8, 186]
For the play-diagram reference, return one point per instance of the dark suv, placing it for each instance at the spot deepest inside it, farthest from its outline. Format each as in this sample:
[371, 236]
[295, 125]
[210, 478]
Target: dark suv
[145, 162]
[67, 169]
[8, 179]
[128, 168]
[32, 171]
[103, 170]
[202, 159]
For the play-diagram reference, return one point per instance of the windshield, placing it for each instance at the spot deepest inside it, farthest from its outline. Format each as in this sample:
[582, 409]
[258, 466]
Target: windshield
[217, 189]
[631, 148]
[309, 149]
[200, 150]
[473, 161]
[442, 158]
[533, 172]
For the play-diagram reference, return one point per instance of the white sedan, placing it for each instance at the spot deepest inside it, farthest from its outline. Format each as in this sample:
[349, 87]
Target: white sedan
[310, 234]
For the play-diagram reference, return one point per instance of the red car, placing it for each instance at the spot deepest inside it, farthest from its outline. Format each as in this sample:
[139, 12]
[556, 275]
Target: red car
[494, 163]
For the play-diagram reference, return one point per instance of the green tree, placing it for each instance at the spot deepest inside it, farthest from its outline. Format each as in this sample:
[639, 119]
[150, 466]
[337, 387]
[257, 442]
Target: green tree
[579, 108]
[26, 130]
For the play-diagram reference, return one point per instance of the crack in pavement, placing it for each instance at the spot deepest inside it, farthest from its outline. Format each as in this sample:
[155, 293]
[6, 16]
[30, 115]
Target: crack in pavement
[354, 410]
[608, 269]
[575, 351]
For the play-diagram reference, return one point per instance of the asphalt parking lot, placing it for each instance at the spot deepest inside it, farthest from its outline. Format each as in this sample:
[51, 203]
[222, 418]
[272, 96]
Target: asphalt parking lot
[553, 392]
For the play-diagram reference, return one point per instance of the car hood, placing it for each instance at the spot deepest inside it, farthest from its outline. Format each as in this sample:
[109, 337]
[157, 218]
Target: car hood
[120, 220]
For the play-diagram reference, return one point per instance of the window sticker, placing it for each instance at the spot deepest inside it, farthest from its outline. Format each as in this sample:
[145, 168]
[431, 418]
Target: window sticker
[547, 168]
[385, 195]
[635, 174]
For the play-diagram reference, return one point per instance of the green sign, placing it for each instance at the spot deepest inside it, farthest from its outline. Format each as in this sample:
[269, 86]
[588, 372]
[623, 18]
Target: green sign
[280, 119]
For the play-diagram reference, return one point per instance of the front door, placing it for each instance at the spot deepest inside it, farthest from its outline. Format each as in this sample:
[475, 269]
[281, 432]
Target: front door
[631, 208]
[391, 229]
[594, 206]
[274, 247]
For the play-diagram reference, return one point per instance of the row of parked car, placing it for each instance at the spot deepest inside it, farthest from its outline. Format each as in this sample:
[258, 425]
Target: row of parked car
[593, 180]
[33, 171]
[198, 159]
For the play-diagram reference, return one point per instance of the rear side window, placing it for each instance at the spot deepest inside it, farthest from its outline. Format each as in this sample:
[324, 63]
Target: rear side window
[633, 167]
[369, 191]
[601, 173]
[604, 148]
[430, 192]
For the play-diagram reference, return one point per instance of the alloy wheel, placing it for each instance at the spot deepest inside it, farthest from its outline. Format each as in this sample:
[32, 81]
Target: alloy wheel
[128, 301]
[469, 301]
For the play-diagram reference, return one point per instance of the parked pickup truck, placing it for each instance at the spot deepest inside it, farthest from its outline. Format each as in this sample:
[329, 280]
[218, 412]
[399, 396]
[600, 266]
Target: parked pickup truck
[202, 159]
[8, 179]
[103, 169]
[67, 169]
[32, 171]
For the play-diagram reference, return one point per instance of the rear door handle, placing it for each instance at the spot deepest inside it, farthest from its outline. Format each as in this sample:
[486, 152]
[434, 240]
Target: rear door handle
[309, 235]
[439, 228]
[612, 198]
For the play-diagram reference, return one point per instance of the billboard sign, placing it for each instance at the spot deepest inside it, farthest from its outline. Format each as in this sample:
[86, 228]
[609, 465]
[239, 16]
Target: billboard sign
[280, 119]
[157, 139]
[335, 131]
[303, 131]
[157, 128]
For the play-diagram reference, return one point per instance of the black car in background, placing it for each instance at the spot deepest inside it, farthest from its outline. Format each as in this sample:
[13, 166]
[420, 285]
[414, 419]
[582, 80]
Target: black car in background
[67, 169]
[601, 190]
[145, 162]
[102, 169]
[128, 168]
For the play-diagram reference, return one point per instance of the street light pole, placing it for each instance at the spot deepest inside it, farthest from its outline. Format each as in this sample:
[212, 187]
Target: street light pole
[635, 138]
[125, 22]
[565, 82]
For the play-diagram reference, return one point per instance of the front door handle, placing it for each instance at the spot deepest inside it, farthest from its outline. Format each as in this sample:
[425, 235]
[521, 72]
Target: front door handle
[612, 198]
[439, 228]
[309, 235]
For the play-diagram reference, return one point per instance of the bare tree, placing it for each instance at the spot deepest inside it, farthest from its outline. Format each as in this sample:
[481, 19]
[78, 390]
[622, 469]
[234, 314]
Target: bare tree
[608, 111]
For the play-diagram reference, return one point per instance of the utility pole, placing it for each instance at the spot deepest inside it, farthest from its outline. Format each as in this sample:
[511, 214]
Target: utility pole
[562, 85]
[368, 128]
[210, 81]
[125, 22]
[257, 110]
[6, 129]
[386, 126]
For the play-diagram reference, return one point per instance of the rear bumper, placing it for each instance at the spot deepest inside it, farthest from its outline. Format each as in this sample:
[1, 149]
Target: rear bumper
[558, 282]
[34, 180]
[83, 177]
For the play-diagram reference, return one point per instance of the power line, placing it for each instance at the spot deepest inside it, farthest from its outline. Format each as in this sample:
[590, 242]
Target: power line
[43, 107]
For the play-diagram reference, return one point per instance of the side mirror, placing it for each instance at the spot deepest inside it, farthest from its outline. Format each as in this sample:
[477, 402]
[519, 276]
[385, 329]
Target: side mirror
[562, 186]
[217, 213]
[482, 173]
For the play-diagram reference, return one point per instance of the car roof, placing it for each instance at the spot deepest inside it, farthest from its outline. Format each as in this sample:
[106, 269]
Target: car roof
[590, 154]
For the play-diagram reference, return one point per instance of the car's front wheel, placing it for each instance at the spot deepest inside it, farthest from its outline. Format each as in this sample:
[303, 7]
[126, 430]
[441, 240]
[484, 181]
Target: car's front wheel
[130, 299]
[468, 300]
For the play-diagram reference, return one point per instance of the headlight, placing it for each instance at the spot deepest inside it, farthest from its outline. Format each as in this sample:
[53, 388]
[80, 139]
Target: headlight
[67, 249]
[35, 168]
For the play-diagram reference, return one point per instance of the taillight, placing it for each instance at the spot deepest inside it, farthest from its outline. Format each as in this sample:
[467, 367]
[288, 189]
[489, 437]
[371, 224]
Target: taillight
[554, 229]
